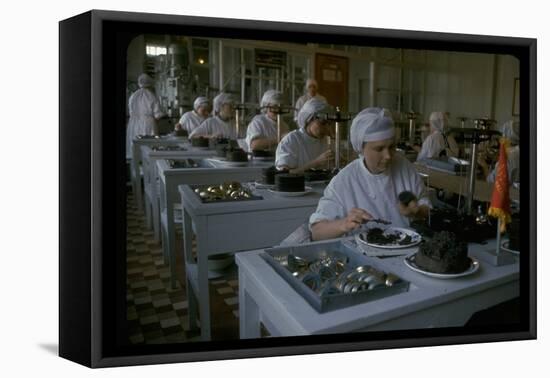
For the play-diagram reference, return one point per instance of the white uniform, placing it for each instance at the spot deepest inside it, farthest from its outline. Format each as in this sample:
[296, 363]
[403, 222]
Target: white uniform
[355, 186]
[302, 100]
[216, 126]
[262, 126]
[513, 166]
[190, 121]
[298, 148]
[434, 144]
[144, 109]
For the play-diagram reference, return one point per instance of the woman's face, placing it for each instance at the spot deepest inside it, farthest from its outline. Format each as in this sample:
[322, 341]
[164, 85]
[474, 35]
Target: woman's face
[312, 89]
[271, 112]
[227, 111]
[319, 128]
[379, 155]
[203, 111]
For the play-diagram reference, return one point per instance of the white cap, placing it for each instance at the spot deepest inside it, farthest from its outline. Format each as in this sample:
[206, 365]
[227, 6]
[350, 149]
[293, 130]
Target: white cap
[510, 130]
[220, 99]
[311, 81]
[200, 101]
[309, 110]
[145, 81]
[439, 121]
[271, 97]
[370, 125]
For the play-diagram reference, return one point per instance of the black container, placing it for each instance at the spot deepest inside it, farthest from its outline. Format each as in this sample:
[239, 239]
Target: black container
[288, 182]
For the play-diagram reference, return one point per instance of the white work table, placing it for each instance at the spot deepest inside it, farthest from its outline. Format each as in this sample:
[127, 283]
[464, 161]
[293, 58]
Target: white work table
[206, 174]
[226, 227]
[136, 160]
[264, 296]
[150, 177]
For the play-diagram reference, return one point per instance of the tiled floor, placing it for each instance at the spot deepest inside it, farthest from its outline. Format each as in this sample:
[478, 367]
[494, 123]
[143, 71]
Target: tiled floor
[155, 312]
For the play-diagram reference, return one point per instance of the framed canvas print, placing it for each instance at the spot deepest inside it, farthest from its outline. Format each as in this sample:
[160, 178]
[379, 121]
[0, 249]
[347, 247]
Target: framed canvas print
[233, 188]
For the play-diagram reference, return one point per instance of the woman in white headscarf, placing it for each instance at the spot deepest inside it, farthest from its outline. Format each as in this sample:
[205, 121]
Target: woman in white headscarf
[438, 143]
[311, 92]
[192, 119]
[144, 111]
[221, 125]
[261, 133]
[369, 186]
[510, 131]
[306, 148]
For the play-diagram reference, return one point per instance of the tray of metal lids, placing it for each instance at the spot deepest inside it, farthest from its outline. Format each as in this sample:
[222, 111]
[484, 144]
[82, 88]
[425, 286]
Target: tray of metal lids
[168, 148]
[183, 163]
[226, 192]
[331, 276]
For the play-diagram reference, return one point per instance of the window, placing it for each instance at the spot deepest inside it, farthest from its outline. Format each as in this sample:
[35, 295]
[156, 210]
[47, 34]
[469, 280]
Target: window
[155, 50]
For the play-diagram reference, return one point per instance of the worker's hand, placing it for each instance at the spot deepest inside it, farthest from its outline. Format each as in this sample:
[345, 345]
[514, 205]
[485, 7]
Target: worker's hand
[177, 126]
[410, 210]
[324, 157]
[482, 162]
[355, 218]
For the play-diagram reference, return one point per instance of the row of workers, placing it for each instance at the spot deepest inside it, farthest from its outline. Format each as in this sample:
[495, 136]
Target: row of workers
[305, 147]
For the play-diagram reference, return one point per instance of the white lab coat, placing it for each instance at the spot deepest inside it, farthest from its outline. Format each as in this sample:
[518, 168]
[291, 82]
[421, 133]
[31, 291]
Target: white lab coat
[302, 100]
[434, 144]
[189, 121]
[512, 162]
[216, 126]
[262, 126]
[356, 186]
[298, 148]
[144, 110]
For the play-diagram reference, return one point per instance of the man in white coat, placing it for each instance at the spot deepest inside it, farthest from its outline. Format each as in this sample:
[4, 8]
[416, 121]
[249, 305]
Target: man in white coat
[369, 186]
[438, 143]
[192, 119]
[221, 125]
[306, 147]
[311, 92]
[144, 110]
[261, 133]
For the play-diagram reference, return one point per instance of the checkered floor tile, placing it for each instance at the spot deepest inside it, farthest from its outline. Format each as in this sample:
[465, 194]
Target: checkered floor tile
[157, 314]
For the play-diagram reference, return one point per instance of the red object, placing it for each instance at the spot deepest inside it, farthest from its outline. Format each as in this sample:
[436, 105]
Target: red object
[500, 201]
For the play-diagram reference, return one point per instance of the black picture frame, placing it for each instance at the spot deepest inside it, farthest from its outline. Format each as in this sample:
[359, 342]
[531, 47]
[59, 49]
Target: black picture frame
[92, 164]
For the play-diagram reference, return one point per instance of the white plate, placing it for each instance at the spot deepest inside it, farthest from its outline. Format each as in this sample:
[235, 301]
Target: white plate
[263, 158]
[415, 238]
[227, 163]
[261, 185]
[291, 194]
[411, 264]
[504, 247]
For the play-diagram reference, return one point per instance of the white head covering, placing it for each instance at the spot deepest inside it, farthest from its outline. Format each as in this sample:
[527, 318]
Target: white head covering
[222, 98]
[271, 97]
[200, 101]
[510, 130]
[145, 81]
[311, 81]
[370, 125]
[308, 111]
[439, 121]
